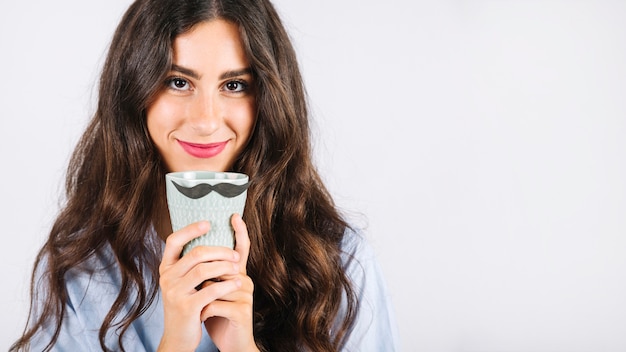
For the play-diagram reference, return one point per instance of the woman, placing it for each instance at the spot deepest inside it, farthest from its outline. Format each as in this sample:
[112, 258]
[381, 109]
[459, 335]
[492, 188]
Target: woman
[206, 85]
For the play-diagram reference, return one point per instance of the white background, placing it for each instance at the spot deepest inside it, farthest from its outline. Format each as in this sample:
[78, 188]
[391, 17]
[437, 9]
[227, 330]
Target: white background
[481, 142]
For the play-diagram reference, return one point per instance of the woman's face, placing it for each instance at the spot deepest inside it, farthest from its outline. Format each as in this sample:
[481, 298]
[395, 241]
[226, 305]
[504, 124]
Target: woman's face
[203, 116]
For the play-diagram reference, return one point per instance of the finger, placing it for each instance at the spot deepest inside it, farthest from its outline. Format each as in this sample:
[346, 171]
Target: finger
[244, 293]
[176, 241]
[203, 254]
[215, 291]
[185, 297]
[242, 240]
[237, 312]
[209, 272]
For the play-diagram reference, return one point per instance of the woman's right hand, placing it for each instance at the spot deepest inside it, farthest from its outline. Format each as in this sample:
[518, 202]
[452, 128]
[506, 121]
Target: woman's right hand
[179, 277]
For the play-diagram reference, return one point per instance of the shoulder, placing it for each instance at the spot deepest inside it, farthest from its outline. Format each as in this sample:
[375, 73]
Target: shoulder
[92, 288]
[101, 263]
[375, 326]
[360, 262]
[89, 285]
[89, 288]
[356, 251]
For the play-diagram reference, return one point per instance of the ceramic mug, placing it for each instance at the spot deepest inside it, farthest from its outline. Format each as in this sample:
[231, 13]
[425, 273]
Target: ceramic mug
[194, 196]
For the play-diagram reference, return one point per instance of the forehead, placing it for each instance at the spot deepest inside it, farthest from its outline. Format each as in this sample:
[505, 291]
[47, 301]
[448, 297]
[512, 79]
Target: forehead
[211, 42]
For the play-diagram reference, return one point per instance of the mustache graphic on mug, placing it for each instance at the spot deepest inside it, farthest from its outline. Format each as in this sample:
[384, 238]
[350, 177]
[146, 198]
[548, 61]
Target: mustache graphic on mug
[227, 190]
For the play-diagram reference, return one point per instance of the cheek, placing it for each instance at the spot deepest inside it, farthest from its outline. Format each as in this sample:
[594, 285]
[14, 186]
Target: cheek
[245, 116]
[160, 119]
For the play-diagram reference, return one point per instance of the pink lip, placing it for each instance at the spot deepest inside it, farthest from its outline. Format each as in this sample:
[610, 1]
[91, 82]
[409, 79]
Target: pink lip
[203, 150]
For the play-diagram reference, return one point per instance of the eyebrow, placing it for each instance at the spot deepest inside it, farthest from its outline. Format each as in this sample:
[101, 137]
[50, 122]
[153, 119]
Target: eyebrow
[226, 75]
[186, 71]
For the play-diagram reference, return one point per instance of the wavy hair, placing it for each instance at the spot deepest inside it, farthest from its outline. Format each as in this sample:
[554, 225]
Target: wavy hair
[116, 174]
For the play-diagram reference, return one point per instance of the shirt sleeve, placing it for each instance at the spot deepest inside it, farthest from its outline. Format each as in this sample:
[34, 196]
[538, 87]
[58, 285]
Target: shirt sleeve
[375, 326]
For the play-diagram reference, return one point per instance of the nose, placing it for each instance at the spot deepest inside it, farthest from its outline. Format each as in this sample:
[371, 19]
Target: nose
[206, 115]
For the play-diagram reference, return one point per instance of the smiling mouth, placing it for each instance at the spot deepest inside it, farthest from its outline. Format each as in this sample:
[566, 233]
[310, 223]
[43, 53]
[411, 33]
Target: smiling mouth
[203, 150]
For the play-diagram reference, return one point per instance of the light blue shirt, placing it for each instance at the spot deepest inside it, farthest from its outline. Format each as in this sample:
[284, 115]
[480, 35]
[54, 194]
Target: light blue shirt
[92, 294]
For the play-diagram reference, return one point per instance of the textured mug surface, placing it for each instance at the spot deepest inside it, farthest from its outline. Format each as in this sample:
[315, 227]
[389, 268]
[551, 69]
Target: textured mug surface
[194, 196]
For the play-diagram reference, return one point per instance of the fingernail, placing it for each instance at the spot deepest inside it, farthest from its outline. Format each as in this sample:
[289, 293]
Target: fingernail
[236, 267]
[236, 256]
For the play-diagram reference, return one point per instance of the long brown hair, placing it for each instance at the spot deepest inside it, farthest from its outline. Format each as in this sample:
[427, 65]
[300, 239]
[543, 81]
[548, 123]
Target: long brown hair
[115, 191]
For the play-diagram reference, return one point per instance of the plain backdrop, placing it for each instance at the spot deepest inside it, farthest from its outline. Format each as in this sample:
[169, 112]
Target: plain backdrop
[481, 143]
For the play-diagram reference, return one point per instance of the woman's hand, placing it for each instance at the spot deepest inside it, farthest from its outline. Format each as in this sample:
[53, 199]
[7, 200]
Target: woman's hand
[184, 307]
[228, 320]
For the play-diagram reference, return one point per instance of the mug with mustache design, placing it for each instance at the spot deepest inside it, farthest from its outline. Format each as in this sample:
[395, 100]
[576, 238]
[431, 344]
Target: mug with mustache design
[194, 196]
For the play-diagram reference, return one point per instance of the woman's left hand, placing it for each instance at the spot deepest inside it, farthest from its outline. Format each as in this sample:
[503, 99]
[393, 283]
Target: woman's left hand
[228, 320]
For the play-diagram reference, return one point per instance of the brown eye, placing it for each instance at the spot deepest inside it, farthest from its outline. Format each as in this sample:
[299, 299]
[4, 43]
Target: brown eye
[235, 86]
[178, 83]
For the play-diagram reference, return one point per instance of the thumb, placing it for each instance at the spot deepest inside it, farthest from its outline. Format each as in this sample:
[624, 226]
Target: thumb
[242, 240]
